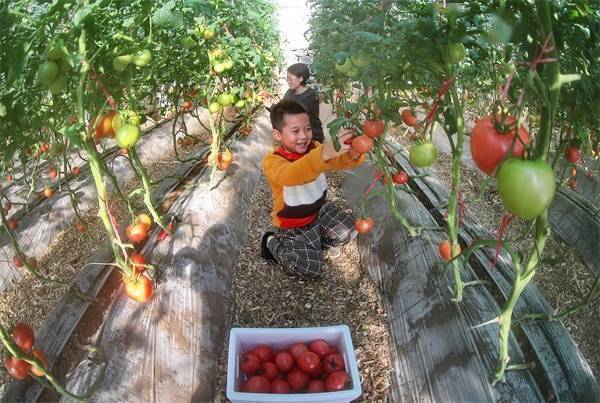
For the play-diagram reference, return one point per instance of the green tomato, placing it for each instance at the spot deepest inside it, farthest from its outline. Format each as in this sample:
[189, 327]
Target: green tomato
[453, 53]
[57, 85]
[217, 53]
[353, 73]
[344, 67]
[214, 107]
[422, 155]
[208, 34]
[124, 117]
[526, 187]
[228, 64]
[225, 99]
[121, 62]
[506, 69]
[55, 53]
[360, 60]
[240, 104]
[219, 68]
[127, 136]
[142, 58]
[63, 66]
[47, 72]
[187, 41]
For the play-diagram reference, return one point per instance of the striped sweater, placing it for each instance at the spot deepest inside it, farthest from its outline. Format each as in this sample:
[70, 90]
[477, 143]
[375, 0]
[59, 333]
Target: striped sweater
[298, 183]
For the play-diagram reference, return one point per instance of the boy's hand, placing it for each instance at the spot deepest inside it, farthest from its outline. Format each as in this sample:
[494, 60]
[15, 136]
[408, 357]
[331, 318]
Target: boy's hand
[345, 136]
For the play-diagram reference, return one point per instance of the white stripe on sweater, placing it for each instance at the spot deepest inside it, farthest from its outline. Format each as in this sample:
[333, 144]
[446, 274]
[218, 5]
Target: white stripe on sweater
[307, 193]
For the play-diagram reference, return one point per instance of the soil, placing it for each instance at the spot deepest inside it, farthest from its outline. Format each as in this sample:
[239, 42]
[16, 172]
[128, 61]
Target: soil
[265, 296]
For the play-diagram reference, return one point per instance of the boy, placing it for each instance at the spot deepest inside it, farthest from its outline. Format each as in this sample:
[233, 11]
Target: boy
[305, 220]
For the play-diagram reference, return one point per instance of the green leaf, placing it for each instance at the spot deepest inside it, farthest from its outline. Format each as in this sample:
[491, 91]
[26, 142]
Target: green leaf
[81, 15]
[368, 36]
[2, 110]
[500, 30]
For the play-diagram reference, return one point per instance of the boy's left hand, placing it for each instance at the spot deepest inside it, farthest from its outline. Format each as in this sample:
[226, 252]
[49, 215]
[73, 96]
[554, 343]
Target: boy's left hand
[345, 136]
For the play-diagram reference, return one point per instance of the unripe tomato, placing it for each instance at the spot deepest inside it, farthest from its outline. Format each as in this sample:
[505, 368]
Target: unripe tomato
[138, 287]
[57, 85]
[142, 58]
[208, 34]
[228, 64]
[364, 225]
[214, 107]
[136, 233]
[219, 68]
[127, 136]
[446, 253]
[124, 117]
[225, 99]
[525, 187]
[453, 53]
[47, 72]
[144, 219]
[359, 59]
[362, 144]
[408, 118]
[422, 155]
[39, 354]
[121, 62]
[373, 128]
[226, 156]
[344, 67]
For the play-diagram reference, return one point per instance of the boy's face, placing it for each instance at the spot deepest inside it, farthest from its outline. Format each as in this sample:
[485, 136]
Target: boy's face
[296, 134]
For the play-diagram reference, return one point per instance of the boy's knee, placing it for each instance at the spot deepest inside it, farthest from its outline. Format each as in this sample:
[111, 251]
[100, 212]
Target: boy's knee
[307, 269]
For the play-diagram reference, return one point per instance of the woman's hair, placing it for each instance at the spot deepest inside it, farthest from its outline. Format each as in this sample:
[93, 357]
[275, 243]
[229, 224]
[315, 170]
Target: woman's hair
[300, 70]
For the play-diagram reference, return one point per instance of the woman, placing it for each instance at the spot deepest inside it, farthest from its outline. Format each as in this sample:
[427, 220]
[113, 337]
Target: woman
[297, 76]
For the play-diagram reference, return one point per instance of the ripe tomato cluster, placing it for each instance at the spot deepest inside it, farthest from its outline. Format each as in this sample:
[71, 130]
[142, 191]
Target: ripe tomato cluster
[24, 338]
[306, 368]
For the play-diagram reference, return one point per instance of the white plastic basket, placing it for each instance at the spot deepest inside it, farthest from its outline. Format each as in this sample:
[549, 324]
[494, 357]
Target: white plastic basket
[245, 339]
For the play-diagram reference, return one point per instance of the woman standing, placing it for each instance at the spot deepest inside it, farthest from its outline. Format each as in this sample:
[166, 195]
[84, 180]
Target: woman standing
[297, 76]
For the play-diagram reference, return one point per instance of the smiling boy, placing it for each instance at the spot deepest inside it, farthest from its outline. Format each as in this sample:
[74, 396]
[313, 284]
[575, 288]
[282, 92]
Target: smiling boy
[305, 221]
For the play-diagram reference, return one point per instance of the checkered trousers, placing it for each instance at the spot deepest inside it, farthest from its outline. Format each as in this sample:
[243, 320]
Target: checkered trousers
[298, 250]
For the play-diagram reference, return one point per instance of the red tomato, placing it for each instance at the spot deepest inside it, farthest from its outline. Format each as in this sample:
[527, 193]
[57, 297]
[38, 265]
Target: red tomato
[445, 252]
[572, 154]
[362, 144]
[269, 371]
[334, 350]
[320, 347]
[249, 363]
[333, 362]
[264, 352]
[139, 288]
[17, 261]
[297, 379]
[9, 178]
[373, 128]
[297, 349]
[572, 183]
[364, 225]
[18, 369]
[336, 381]
[137, 262]
[163, 234]
[75, 170]
[280, 386]
[186, 106]
[258, 384]
[12, 223]
[136, 233]
[408, 118]
[316, 386]
[489, 145]
[284, 361]
[39, 354]
[400, 178]
[23, 336]
[308, 362]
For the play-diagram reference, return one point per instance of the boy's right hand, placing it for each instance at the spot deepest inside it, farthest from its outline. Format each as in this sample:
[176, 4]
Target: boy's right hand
[345, 136]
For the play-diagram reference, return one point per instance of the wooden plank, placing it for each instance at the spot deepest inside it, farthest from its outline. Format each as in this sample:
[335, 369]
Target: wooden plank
[435, 356]
[169, 348]
[566, 370]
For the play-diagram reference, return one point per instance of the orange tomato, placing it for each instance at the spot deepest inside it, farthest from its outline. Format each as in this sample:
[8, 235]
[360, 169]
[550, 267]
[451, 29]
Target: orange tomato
[39, 354]
[139, 288]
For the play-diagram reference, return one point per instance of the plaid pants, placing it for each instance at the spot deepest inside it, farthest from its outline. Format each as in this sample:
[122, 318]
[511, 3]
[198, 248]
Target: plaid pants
[298, 250]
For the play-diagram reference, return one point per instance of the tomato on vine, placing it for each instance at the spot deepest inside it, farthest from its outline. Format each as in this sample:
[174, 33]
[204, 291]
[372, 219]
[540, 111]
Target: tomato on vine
[422, 155]
[572, 154]
[364, 225]
[491, 140]
[18, 369]
[23, 336]
[138, 287]
[373, 128]
[362, 144]
[127, 136]
[408, 118]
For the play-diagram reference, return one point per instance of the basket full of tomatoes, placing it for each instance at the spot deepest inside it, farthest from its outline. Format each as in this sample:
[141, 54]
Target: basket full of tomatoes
[313, 364]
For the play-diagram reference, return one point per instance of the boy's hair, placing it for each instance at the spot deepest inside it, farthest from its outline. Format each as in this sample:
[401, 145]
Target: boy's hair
[282, 108]
[300, 70]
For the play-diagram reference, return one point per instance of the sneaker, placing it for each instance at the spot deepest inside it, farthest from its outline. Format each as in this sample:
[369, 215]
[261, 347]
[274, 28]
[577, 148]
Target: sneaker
[264, 250]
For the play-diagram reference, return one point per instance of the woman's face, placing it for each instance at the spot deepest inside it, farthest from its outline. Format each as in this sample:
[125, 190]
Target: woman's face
[293, 81]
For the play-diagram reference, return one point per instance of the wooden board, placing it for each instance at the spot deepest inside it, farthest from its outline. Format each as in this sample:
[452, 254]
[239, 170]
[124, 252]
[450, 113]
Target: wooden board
[435, 356]
[169, 348]
[565, 373]
[39, 227]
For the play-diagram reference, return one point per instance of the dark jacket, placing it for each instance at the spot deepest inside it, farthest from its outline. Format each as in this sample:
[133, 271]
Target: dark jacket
[309, 99]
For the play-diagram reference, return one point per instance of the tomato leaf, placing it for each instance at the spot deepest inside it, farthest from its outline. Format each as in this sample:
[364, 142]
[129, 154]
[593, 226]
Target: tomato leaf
[81, 15]
[368, 36]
